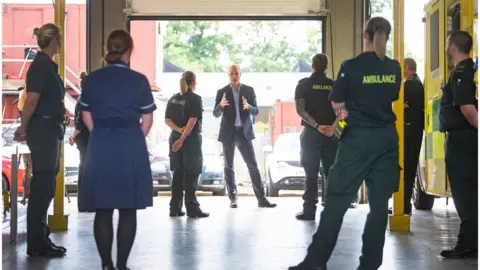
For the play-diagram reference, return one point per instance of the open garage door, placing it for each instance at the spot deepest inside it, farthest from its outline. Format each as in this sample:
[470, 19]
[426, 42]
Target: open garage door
[225, 7]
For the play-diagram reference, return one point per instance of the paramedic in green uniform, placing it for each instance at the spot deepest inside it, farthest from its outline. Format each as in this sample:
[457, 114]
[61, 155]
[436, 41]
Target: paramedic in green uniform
[368, 149]
[184, 117]
[458, 119]
[317, 141]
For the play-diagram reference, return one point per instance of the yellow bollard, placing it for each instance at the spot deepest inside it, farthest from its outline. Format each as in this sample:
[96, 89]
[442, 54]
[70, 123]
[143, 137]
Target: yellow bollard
[399, 221]
[59, 221]
[6, 202]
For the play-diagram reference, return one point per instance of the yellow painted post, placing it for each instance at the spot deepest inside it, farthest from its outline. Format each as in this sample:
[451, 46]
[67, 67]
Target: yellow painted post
[399, 221]
[58, 221]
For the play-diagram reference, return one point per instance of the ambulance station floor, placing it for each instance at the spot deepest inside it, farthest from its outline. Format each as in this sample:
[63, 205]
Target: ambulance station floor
[245, 238]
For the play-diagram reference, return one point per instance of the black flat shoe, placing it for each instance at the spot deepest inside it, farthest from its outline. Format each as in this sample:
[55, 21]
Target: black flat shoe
[459, 253]
[266, 204]
[177, 214]
[57, 247]
[306, 216]
[64, 250]
[198, 214]
[48, 251]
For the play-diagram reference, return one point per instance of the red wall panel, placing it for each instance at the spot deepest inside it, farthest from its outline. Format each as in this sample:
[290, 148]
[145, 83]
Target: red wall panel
[20, 20]
[284, 119]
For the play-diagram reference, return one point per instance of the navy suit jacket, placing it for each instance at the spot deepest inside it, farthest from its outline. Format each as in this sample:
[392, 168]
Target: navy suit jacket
[228, 113]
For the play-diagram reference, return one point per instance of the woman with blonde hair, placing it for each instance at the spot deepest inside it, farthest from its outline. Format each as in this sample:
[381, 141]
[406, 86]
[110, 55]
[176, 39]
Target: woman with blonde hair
[42, 126]
[184, 116]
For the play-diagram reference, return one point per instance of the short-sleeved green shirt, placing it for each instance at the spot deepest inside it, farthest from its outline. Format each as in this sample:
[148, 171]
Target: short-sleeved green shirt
[368, 86]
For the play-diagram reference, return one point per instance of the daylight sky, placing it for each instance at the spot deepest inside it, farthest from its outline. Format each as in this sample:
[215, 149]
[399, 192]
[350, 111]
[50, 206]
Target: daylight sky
[414, 28]
[415, 31]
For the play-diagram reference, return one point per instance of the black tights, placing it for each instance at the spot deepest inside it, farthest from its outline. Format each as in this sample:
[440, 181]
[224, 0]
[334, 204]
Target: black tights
[103, 232]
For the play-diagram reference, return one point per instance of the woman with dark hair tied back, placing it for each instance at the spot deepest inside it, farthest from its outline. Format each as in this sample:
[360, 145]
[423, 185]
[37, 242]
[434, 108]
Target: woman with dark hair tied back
[184, 116]
[364, 91]
[43, 125]
[117, 107]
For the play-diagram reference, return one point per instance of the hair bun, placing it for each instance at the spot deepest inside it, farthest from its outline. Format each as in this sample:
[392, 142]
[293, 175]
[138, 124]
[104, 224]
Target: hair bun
[37, 32]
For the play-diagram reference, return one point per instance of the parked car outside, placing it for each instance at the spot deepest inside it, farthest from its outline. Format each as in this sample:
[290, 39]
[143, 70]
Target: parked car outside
[211, 179]
[71, 157]
[71, 163]
[7, 174]
[9, 148]
[160, 166]
[284, 171]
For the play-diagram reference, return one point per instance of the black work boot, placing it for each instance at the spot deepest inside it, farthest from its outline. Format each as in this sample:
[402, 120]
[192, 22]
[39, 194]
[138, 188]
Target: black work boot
[198, 213]
[177, 213]
[264, 203]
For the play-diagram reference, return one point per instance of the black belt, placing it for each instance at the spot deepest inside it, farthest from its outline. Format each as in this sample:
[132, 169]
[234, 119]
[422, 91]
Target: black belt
[238, 128]
[116, 123]
[48, 117]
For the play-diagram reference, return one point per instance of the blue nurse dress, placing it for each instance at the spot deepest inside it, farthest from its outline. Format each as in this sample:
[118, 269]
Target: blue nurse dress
[117, 171]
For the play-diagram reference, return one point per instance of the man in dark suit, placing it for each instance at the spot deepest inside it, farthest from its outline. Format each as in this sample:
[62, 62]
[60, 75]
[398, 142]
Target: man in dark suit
[414, 123]
[236, 103]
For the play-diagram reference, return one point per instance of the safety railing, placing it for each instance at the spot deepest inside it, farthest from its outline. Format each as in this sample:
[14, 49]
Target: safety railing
[12, 205]
[26, 60]
[70, 102]
[76, 76]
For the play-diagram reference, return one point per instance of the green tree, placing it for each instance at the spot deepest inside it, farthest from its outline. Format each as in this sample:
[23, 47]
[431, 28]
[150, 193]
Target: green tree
[270, 46]
[197, 45]
[379, 7]
[314, 39]
[259, 46]
[266, 48]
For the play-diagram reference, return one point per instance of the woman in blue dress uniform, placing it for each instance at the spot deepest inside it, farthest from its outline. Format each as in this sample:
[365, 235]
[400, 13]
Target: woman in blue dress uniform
[117, 107]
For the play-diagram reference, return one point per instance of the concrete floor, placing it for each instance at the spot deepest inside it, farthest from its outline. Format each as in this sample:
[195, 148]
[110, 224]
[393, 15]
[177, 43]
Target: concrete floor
[245, 238]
